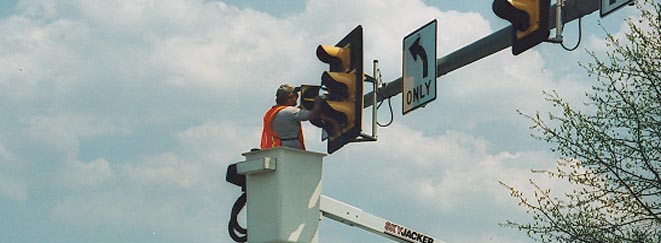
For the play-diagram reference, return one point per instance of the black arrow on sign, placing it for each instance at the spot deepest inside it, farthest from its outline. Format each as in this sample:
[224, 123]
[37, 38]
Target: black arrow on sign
[417, 50]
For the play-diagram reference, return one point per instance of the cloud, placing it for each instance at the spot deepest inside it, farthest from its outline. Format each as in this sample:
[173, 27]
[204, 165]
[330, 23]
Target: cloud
[13, 188]
[162, 193]
[78, 174]
[181, 193]
[7, 158]
[224, 54]
[447, 168]
[63, 132]
[84, 72]
[218, 142]
[114, 41]
[81, 125]
[446, 185]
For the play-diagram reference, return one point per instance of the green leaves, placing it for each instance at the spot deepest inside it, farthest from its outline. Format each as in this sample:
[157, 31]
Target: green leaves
[610, 148]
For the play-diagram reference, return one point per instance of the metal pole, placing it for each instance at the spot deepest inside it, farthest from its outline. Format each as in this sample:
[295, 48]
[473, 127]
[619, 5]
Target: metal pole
[558, 19]
[484, 47]
[375, 86]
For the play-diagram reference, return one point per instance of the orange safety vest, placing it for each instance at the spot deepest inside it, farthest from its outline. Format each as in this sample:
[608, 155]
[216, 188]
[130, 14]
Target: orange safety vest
[269, 138]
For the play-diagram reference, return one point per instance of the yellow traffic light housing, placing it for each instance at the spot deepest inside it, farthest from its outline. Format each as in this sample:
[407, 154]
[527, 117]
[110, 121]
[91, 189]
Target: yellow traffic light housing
[308, 94]
[343, 107]
[530, 21]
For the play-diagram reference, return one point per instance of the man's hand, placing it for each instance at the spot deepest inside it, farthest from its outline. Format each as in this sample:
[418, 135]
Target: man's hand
[315, 113]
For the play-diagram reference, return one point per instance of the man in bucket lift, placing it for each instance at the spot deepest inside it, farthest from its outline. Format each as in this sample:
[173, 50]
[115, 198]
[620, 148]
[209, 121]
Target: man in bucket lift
[282, 123]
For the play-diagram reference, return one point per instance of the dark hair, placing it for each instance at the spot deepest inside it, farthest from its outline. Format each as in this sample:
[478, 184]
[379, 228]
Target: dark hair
[281, 99]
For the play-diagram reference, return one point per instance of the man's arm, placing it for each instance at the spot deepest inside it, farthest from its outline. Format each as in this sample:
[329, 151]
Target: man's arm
[302, 114]
[315, 113]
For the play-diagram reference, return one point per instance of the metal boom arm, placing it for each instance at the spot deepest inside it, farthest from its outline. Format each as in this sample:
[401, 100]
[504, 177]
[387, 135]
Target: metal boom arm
[352, 216]
[484, 47]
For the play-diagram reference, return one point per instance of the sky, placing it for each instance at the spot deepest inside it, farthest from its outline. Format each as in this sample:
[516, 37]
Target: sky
[118, 118]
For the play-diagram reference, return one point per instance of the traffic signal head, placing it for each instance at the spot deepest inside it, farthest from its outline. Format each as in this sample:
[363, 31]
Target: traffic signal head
[308, 95]
[343, 107]
[529, 18]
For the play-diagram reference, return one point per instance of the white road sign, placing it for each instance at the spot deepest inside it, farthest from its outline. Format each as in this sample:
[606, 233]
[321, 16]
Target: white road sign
[609, 6]
[419, 68]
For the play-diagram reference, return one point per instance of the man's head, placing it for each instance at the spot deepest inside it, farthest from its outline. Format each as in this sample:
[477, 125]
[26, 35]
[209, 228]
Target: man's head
[287, 94]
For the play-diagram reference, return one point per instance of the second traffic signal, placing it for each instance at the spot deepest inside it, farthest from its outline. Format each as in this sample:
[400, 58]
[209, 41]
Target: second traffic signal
[529, 18]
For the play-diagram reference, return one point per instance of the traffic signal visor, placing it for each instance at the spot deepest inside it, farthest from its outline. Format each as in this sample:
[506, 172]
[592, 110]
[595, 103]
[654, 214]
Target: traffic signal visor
[340, 119]
[532, 8]
[340, 86]
[339, 58]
